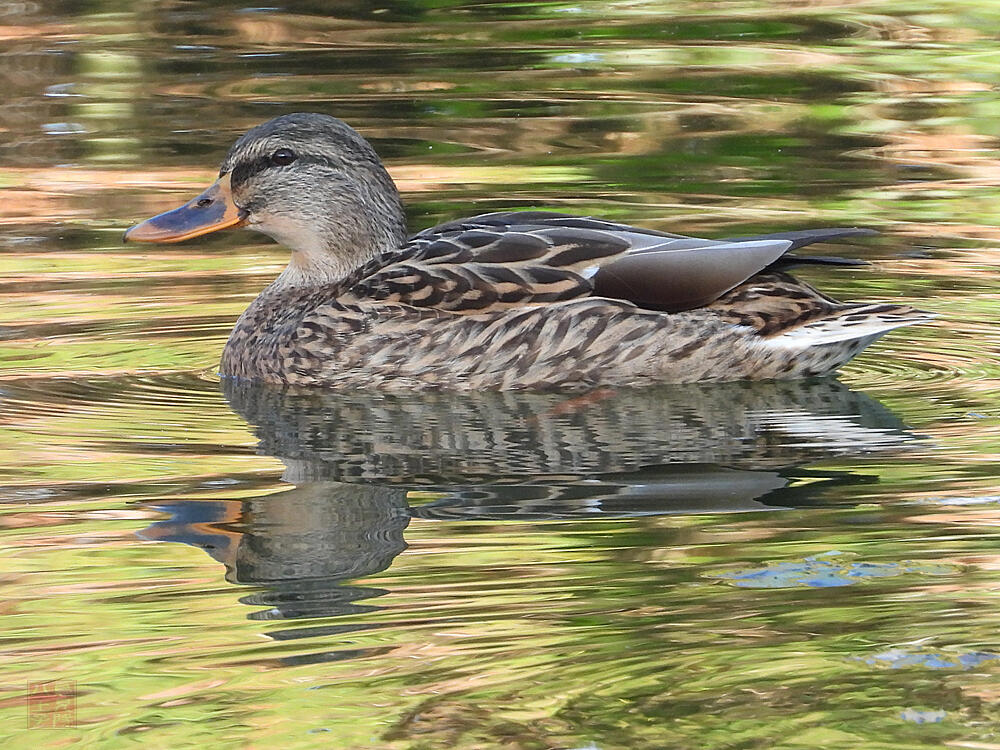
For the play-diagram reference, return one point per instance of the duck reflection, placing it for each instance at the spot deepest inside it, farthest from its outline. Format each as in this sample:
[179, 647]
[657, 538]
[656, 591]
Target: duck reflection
[364, 465]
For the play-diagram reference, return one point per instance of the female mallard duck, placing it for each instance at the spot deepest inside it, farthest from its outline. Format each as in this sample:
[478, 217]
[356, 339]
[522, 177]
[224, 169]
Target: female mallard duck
[498, 301]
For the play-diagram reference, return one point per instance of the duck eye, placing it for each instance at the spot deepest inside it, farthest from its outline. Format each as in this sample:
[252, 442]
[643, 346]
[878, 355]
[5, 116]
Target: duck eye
[282, 157]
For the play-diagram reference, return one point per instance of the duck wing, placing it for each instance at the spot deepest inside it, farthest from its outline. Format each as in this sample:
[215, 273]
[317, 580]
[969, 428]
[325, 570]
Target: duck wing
[516, 258]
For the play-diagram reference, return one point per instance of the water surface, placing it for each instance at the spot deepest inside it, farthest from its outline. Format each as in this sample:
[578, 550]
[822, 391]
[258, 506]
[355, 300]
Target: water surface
[760, 565]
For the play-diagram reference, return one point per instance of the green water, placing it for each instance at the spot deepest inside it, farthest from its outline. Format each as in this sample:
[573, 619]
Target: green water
[792, 565]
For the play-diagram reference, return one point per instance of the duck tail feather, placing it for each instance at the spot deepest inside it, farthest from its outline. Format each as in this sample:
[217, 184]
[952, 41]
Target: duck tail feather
[790, 261]
[860, 322]
[803, 237]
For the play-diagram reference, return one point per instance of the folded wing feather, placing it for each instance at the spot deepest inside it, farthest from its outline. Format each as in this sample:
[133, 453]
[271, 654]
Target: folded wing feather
[531, 257]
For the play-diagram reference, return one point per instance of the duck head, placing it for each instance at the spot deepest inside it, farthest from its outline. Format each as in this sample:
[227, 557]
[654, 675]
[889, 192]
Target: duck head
[307, 180]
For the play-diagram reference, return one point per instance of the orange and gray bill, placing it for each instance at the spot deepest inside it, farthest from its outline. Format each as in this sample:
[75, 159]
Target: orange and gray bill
[209, 212]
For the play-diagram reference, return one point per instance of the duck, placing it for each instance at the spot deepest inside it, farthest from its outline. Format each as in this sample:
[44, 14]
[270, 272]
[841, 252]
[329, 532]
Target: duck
[515, 300]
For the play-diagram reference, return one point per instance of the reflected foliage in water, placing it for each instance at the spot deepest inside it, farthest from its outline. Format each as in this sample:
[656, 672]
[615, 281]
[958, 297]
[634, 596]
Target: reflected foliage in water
[749, 565]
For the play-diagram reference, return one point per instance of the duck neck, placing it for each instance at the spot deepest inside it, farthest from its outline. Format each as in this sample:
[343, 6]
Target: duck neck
[322, 263]
[310, 269]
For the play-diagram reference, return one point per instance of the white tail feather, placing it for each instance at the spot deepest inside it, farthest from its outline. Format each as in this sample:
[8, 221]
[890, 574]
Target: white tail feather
[851, 325]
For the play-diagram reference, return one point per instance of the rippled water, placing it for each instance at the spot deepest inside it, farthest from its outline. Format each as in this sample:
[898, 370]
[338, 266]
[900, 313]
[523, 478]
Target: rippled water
[738, 566]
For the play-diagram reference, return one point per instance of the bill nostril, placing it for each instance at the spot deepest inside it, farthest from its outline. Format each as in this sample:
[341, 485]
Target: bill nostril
[204, 202]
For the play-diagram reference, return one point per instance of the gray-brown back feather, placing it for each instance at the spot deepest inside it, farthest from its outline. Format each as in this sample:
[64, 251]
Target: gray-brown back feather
[532, 257]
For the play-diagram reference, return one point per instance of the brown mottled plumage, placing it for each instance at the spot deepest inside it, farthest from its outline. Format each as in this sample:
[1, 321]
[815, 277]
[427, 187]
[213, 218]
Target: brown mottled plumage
[520, 300]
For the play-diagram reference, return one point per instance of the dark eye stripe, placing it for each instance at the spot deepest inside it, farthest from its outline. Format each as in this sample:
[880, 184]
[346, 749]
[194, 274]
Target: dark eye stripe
[244, 170]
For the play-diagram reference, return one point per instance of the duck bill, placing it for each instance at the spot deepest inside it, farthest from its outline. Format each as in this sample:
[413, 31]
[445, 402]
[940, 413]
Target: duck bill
[209, 212]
